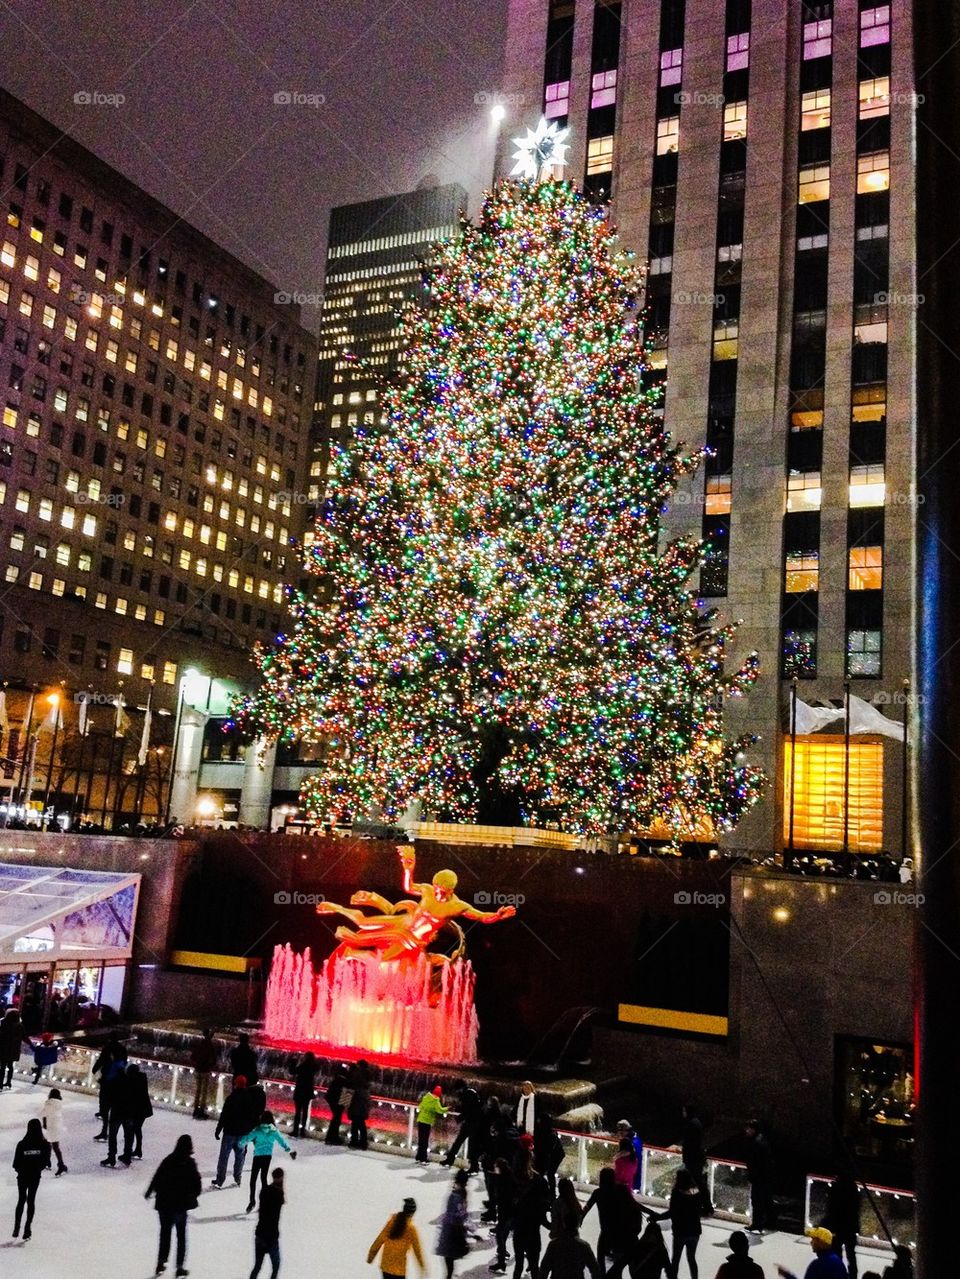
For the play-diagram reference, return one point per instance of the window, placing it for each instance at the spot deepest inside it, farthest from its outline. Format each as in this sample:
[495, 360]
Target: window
[817, 39]
[717, 494]
[814, 184]
[865, 568]
[874, 97]
[875, 26]
[802, 573]
[817, 804]
[671, 66]
[603, 89]
[668, 135]
[734, 121]
[169, 672]
[101, 658]
[873, 172]
[815, 110]
[738, 51]
[867, 486]
[599, 160]
[863, 654]
[804, 492]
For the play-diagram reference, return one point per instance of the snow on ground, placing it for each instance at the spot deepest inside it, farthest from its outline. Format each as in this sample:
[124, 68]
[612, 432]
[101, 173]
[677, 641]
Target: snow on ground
[95, 1221]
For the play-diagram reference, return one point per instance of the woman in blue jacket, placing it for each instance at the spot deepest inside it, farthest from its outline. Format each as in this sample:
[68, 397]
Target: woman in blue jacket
[263, 1138]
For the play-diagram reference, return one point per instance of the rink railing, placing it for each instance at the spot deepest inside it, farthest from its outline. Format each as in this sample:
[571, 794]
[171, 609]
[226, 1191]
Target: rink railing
[392, 1127]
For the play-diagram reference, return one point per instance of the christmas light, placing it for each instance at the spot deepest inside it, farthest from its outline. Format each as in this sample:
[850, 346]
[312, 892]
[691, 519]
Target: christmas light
[493, 610]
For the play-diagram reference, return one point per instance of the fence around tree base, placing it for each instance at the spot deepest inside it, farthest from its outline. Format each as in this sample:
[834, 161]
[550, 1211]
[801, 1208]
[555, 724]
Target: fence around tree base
[391, 1127]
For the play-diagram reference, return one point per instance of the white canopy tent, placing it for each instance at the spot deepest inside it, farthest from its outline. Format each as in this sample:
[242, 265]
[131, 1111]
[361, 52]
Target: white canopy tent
[51, 913]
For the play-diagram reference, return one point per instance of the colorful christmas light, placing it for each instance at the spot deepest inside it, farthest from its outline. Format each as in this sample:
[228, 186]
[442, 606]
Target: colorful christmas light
[489, 566]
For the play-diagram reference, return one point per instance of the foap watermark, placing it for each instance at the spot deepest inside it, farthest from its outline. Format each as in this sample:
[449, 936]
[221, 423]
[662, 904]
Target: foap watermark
[684, 298]
[94, 697]
[895, 897]
[98, 98]
[87, 297]
[494, 98]
[698, 98]
[484, 898]
[697, 898]
[887, 298]
[903, 697]
[297, 298]
[297, 98]
[297, 898]
[908, 497]
[105, 499]
[294, 497]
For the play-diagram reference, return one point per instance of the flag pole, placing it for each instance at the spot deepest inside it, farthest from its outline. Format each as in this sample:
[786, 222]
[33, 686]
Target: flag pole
[846, 768]
[26, 749]
[793, 758]
[904, 780]
[53, 751]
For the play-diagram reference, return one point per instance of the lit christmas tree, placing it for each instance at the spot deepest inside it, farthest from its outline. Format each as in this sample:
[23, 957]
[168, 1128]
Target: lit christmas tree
[497, 633]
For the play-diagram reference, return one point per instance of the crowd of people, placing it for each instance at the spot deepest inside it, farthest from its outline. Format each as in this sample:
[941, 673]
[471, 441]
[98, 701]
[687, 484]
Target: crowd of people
[534, 1214]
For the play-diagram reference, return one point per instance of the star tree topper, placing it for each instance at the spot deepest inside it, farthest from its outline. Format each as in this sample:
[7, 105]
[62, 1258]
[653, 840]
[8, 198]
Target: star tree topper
[542, 148]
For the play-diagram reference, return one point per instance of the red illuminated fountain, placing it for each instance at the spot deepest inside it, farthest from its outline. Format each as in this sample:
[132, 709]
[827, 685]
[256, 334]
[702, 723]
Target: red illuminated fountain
[382, 991]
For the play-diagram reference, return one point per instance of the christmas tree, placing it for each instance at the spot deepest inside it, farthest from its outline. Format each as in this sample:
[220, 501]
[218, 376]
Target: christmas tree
[496, 631]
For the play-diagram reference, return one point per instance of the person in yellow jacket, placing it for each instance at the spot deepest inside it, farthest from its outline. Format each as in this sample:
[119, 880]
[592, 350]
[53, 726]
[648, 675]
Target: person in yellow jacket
[398, 1238]
[431, 1109]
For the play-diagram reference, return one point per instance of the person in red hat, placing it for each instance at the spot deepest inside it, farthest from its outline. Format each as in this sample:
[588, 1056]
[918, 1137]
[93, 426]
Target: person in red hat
[45, 1052]
[431, 1109]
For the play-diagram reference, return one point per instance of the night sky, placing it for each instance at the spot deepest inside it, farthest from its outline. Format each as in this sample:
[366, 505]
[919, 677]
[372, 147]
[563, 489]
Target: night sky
[404, 85]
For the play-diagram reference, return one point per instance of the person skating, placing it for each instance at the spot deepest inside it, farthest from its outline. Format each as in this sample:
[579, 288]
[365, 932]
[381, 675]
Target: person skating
[607, 1203]
[548, 1153]
[176, 1187]
[525, 1111]
[649, 1259]
[243, 1060]
[567, 1256]
[902, 1267]
[842, 1218]
[503, 1199]
[266, 1237]
[111, 1065]
[625, 1165]
[31, 1157]
[566, 1213]
[452, 1239]
[263, 1138]
[626, 1131]
[121, 1117]
[335, 1100]
[739, 1265]
[240, 1115]
[11, 1045]
[204, 1058]
[51, 1120]
[304, 1091]
[46, 1050]
[395, 1242]
[684, 1216]
[469, 1107]
[358, 1111]
[825, 1265]
[759, 1161]
[529, 1215]
[140, 1109]
[694, 1155]
[431, 1109]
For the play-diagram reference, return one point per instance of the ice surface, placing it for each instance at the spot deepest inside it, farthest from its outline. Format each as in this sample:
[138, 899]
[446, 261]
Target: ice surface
[94, 1221]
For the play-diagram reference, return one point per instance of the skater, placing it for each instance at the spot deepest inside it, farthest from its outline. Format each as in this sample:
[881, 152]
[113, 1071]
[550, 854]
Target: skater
[243, 1060]
[334, 1097]
[204, 1059]
[609, 1205]
[694, 1155]
[503, 1198]
[46, 1050]
[625, 1166]
[51, 1120]
[30, 1158]
[842, 1218]
[11, 1044]
[176, 1185]
[739, 1265]
[111, 1066]
[649, 1258]
[529, 1214]
[567, 1256]
[358, 1110]
[431, 1109]
[139, 1109]
[902, 1267]
[684, 1217]
[240, 1115]
[263, 1138]
[759, 1161]
[452, 1240]
[566, 1213]
[626, 1130]
[304, 1091]
[266, 1237]
[547, 1151]
[470, 1111]
[825, 1265]
[397, 1239]
[122, 1107]
[525, 1111]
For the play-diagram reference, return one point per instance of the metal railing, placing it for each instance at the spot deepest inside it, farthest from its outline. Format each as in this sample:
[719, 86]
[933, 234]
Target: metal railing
[897, 1207]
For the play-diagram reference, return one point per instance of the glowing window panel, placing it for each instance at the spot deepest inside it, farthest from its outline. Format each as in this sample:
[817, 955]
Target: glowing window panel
[817, 774]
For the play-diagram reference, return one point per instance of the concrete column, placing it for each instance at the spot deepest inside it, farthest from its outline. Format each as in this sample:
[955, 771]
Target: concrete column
[257, 785]
[186, 772]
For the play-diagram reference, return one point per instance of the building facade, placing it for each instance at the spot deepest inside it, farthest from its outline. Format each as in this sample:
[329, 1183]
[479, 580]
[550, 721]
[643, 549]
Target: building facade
[758, 157]
[156, 405]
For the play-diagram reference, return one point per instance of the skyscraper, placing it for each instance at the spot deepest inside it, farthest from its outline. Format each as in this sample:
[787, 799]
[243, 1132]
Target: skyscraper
[375, 253]
[758, 159]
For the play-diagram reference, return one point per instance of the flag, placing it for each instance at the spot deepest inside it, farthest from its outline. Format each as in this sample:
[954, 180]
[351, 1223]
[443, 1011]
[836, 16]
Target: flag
[84, 715]
[810, 719]
[864, 718]
[145, 735]
[4, 722]
[53, 720]
[122, 721]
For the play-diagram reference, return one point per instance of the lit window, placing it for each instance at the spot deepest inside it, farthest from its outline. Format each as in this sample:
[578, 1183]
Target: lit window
[89, 527]
[874, 97]
[125, 661]
[668, 135]
[35, 581]
[802, 573]
[725, 340]
[717, 494]
[875, 26]
[814, 183]
[23, 500]
[169, 672]
[867, 487]
[734, 121]
[825, 769]
[121, 607]
[671, 66]
[31, 268]
[556, 99]
[59, 586]
[873, 172]
[817, 39]
[45, 510]
[100, 600]
[815, 110]
[738, 51]
[863, 653]
[146, 670]
[12, 572]
[8, 254]
[26, 303]
[866, 568]
[804, 492]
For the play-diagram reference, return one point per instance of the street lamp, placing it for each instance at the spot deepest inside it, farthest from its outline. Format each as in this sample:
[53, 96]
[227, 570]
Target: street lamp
[53, 701]
[498, 113]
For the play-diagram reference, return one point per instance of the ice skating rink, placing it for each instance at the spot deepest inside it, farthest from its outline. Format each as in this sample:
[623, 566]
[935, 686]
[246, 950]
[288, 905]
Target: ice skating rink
[95, 1221]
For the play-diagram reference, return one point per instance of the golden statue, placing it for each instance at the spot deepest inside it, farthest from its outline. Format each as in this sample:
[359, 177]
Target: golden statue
[405, 929]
